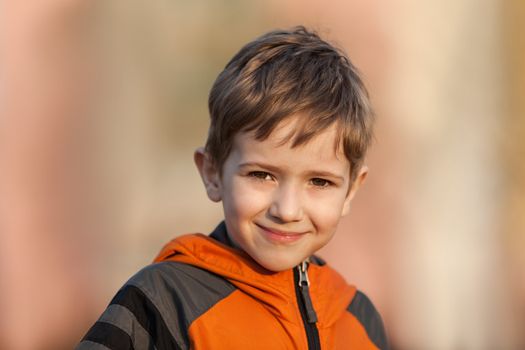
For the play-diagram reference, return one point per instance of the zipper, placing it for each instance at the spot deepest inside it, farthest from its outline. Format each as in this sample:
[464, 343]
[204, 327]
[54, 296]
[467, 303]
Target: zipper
[302, 292]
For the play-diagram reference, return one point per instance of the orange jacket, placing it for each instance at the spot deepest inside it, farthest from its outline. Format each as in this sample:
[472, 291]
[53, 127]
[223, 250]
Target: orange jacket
[209, 295]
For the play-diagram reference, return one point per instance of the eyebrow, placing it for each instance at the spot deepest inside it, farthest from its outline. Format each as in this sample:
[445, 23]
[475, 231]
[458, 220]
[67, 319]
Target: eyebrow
[313, 173]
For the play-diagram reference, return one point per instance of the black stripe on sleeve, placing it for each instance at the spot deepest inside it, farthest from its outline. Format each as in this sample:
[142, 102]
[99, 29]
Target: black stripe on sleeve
[363, 309]
[149, 317]
[110, 336]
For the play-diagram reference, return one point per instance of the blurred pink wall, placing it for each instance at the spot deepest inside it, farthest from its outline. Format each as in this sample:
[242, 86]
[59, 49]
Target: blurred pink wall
[45, 253]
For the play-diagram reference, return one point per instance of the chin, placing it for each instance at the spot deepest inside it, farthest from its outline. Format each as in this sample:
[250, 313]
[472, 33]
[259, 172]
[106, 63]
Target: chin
[276, 265]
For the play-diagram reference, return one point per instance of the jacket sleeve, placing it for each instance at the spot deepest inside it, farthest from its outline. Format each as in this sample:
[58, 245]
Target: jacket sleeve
[145, 314]
[155, 308]
[365, 312]
[131, 321]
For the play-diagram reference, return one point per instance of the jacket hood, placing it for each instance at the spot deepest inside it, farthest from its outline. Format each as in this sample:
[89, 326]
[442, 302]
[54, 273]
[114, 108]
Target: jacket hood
[330, 294]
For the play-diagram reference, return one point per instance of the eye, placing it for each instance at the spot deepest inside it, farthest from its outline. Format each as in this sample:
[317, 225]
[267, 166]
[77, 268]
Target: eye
[260, 175]
[318, 182]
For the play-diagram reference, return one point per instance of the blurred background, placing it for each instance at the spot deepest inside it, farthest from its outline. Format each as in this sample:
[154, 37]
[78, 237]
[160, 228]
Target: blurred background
[103, 102]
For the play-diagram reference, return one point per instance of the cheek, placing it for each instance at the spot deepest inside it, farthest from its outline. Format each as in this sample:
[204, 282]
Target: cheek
[243, 199]
[326, 211]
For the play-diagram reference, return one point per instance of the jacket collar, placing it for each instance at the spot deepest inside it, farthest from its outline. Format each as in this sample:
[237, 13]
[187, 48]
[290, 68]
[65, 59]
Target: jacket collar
[221, 235]
[274, 290]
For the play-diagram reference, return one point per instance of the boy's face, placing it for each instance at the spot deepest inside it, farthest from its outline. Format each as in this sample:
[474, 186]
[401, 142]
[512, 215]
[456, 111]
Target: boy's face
[281, 204]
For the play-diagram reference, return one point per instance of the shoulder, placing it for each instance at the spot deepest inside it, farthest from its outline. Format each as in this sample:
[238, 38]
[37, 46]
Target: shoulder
[362, 308]
[156, 307]
[175, 287]
[178, 278]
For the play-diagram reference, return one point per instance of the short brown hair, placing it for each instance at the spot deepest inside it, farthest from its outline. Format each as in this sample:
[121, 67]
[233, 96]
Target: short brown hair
[280, 74]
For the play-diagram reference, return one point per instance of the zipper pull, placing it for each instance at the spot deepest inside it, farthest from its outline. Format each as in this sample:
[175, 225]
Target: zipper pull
[304, 287]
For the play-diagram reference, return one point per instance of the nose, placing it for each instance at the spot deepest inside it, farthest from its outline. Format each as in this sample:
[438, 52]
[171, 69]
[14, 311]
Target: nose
[287, 204]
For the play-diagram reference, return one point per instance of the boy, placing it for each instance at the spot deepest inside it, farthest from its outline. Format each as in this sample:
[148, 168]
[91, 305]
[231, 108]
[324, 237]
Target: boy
[290, 125]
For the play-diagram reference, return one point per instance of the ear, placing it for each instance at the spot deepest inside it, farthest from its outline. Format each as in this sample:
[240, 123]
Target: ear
[210, 176]
[359, 180]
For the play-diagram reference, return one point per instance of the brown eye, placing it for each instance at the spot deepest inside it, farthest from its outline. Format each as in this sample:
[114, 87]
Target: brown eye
[261, 175]
[318, 182]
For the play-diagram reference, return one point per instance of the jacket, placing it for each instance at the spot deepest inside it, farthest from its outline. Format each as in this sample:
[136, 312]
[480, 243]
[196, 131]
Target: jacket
[201, 293]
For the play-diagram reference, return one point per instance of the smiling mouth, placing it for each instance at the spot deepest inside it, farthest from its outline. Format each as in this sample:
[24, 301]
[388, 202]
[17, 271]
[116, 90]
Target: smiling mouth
[280, 236]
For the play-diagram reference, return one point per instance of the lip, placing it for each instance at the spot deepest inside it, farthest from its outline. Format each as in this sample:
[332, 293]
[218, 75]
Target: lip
[279, 236]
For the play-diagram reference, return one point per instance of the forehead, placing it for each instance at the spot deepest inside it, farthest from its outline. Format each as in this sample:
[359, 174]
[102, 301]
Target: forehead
[322, 150]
